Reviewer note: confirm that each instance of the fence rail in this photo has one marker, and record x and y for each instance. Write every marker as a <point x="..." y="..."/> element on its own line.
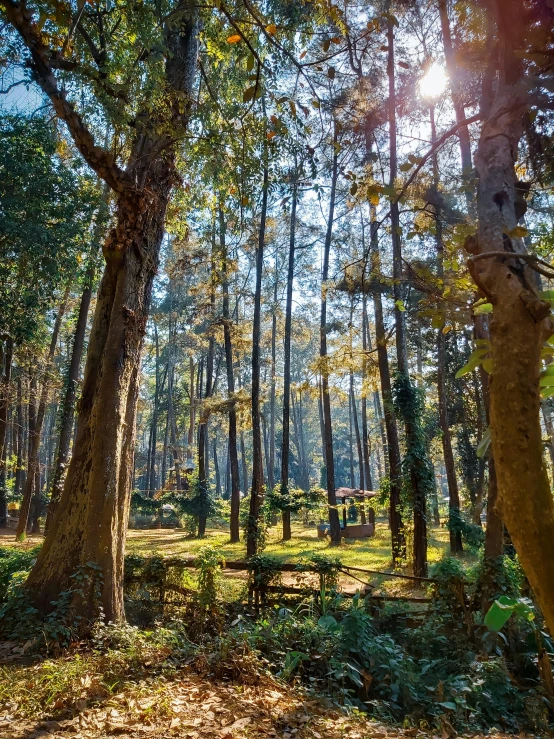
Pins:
<point x="261" y="584"/>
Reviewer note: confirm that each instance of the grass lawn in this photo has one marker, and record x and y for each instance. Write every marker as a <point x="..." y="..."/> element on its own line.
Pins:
<point x="373" y="553"/>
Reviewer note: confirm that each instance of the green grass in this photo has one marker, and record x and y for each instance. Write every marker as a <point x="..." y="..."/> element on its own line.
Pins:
<point x="373" y="553"/>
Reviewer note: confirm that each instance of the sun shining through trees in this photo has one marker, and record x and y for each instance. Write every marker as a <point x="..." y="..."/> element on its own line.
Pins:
<point x="433" y="83"/>
<point x="276" y="370"/>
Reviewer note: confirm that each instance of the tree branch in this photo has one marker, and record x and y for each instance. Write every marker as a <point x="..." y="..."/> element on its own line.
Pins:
<point x="100" y="160"/>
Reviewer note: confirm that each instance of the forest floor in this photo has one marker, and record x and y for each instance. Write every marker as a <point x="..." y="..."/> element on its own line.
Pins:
<point x="140" y="692"/>
<point x="188" y="706"/>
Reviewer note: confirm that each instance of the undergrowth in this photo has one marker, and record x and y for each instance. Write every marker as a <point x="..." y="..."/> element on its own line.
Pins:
<point x="427" y="669"/>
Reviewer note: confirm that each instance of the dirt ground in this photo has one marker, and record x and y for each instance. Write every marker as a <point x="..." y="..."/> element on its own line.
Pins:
<point x="195" y="708"/>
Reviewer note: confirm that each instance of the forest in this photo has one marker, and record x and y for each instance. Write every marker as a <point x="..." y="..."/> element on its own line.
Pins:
<point x="276" y="368"/>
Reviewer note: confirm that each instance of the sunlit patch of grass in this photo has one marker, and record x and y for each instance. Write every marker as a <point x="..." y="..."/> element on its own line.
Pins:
<point x="372" y="553"/>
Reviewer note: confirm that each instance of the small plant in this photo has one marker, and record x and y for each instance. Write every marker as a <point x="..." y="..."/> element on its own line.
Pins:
<point x="208" y="567"/>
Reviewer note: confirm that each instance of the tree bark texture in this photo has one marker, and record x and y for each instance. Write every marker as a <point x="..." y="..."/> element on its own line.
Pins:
<point x="520" y="324"/>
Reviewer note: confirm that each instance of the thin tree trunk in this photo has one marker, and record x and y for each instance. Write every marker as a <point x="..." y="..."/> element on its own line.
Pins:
<point x="398" y="540"/>
<point x="305" y="469"/>
<point x="192" y="413"/>
<point x="151" y="476"/>
<point x="203" y="443"/>
<point x="166" y="441"/>
<point x="335" y="530"/>
<point x="365" y="435"/>
<point x="359" y="446"/>
<point x="257" y="462"/>
<point x="419" y="502"/>
<point x="218" y="490"/>
<point x="272" y="382"/>
<point x="351" y="439"/>
<point x="456" y="545"/>
<point x="33" y="460"/>
<point x="243" y="462"/>
<point x="285" y="446"/>
<point x="6" y="358"/>
<point x="20" y="421"/>
<point x="68" y="409"/>
<point x="232" y="440"/>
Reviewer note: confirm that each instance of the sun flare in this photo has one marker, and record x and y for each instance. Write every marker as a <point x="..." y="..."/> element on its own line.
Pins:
<point x="433" y="84"/>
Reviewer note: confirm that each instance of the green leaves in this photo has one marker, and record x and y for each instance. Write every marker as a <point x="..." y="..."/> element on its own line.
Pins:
<point x="484" y="444"/>
<point x="328" y="623"/>
<point x="501" y="610"/>
<point x="480" y="356"/>
<point x="482" y="307"/>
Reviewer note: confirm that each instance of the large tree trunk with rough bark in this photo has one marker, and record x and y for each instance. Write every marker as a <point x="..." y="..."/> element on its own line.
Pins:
<point x="89" y="528"/>
<point x="520" y="324"/>
<point x="91" y="521"/>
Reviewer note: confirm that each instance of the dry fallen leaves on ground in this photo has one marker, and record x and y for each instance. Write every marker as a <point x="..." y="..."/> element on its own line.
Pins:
<point x="191" y="707"/>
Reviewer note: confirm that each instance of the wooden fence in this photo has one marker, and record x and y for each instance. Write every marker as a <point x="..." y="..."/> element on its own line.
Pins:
<point x="263" y="572"/>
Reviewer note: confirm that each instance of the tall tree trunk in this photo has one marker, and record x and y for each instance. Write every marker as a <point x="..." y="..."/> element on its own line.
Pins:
<point x="398" y="539"/>
<point x="244" y="464"/>
<point x="20" y="422"/>
<point x="257" y="462"/>
<point x="192" y="413"/>
<point x="323" y="476"/>
<point x="151" y="472"/>
<point x="166" y="441"/>
<point x="418" y="491"/>
<point x="359" y="446"/>
<point x="68" y="409"/>
<point x="285" y="446"/>
<point x="454" y="497"/>
<point x="335" y="530"/>
<point x="33" y="459"/>
<point x="518" y="328"/>
<point x="90" y="524"/>
<point x="6" y="357"/>
<point x="272" y="382"/>
<point x="232" y="441"/>
<point x="305" y="463"/>
<point x="203" y="443"/>
<point x="218" y="490"/>
<point x="96" y="493"/>
<point x="453" y="494"/>
<point x="365" y="434"/>
<point x="175" y="447"/>
<point x="351" y="441"/>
